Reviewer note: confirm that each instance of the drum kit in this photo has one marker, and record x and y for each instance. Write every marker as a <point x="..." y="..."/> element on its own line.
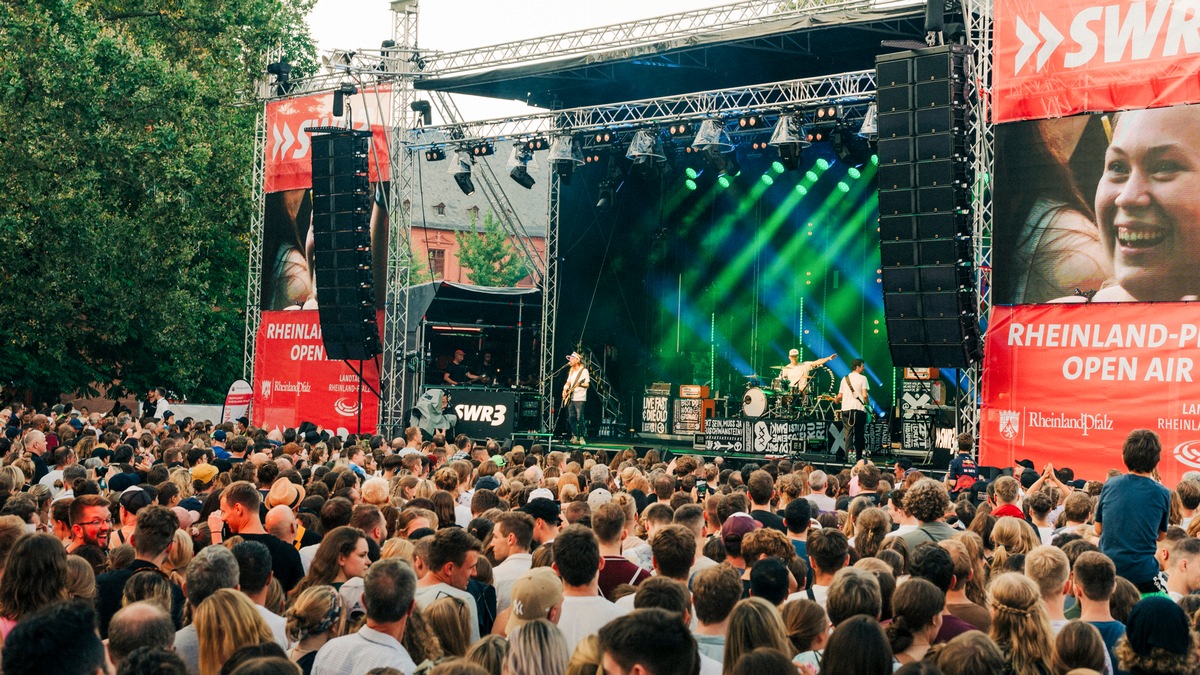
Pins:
<point x="784" y="401"/>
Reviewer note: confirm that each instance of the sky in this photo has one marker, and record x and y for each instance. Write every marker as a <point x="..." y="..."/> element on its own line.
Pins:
<point x="350" y="24"/>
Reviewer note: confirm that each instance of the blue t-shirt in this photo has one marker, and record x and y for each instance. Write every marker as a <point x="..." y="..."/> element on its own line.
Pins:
<point x="1110" y="632"/>
<point x="1133" y="510"/>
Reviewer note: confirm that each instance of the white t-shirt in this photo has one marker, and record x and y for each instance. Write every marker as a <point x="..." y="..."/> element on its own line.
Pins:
<point x="277" y="624"/>
<point x="506" y="574"/>
<point x="797" y="375"/>
<point x="819" y="593"/>
<point x="579" y="379"/>
<point x="853" y="390"/>
<point x="582" y="617"/>
<point x="822" y="501"/>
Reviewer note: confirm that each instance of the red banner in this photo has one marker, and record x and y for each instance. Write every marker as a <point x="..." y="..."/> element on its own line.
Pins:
<point x="1060" y="57"/>
<point x="295" y="383"/>
<point x="1067" y="383"/>
<point x="289" y="165"/>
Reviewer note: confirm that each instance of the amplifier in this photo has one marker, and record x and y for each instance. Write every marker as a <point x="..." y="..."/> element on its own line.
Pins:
<point x="693" y="391"/>
<point x="659" y="389"/>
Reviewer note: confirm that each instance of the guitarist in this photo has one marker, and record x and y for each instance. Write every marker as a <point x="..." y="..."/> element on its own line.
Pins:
<point x="853" y="393"/>
<point x="575" y="395"/>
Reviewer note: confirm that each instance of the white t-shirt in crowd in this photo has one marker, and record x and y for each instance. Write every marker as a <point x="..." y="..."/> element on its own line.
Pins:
<point x="582" y="617"/>
<point x="506" y="574"/>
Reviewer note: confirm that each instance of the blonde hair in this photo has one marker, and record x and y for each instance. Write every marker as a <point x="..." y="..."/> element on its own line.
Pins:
<point x="1049" y="568"/>
<point x="225" y="622"/>
<point x="316" y="610"/>
<point x="1020" y="625"/>
<point x="450" y="618"/>
<point x="375" y="491"/>
<point x="81" y="579"/>
<point x="586" y="659"/>
<point x="397" y="548"/>
<point x="424" y="489"/>
<point x="976" y="588"/>
<point x="871" y="527"/>
<point x="753" y="623"/>
<point x="535" y="648"/>
<point x="856" y="507"/>
<point x="14" y="474"/>
<point x="182" y="480"/>
<point x="1012" y="536"/>
<point x="181" y="554"/>
<point x="489" y="653"/>
<point x="804" y="621"/>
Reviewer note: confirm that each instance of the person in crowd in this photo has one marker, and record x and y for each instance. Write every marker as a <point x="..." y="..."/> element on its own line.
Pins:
<point x="578" y="562"/>
<point x="510" y="544"/>
<point x="1093" y="580"/>
<point x="753" y="623"/>
<point x="611" y="527"/>
<point x="650" y="641"/>
<point x="389" y="592"/>
<point x="35" y="577"/>
<point x="927" y="501"/>
<point x="761" y="489"/>
<point x="537" y="594"/>
<point x="59" y="638"/>
<point x="972" y="653"/>
<point x="141" y="624"/>
<point x="213" y="568"/>
<point x="153" y="539"/>
<point x="341" y="556"/>
<point x="1133" y="511"/>
<point x="225" y="622"/>
<point x="452" y="560"/>
<point x="316" y="616"/>
<point x="1020" y="625"/>
<point x="450" y="619"/>
<point x="828" y="552"/>
<point x="916" y="619"/>
<point x="240" y="504"/>
<point x="1049" y="568"/>
<point x="254" y="580"/>
<point x="858" y="646"/>
<point x="807" y="627"/>
<point x="1183" y="574"/>
<point x="1078" y="645"/>
<point x="537" y="648"/>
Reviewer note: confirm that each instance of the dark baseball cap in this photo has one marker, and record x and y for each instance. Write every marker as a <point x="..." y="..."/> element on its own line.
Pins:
<point x="545" y="509"/>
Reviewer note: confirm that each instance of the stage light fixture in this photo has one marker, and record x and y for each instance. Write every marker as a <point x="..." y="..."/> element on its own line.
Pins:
<point x="604" y="136"/>
<point x="767" y="179"/>
<point x="712" y="136"/>
<point x="518" y="166"/>
<point x="679" y="129"/>
<point x="690" y="173"/>
<point x="607" y="196"/>
<point x="646" y="152"/>
<point x="870" y="125"/>
<point x="537" y="143"/>
<point x="460" y="168"/>
<point x="758" y="146"/>
<point x="827" y="113"/>
<point x="423" y="108"/>
<point x="483" y="149"/>
<point x="750" y="122"/>
<point x="690" y="184"/>
<point x="282" y="70"/>
<point x="790" y="139"/>
<point x="564" y="157"/>
<point x="435" y="154"/>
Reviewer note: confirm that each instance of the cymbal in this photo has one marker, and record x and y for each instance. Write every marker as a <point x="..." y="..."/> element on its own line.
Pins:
<point x="776" y="367"/>
<point x="750" y="377"/>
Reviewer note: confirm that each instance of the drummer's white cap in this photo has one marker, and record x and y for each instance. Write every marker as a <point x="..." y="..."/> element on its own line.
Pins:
<point x="794" y="352"/>
<point x="574" y="355"/>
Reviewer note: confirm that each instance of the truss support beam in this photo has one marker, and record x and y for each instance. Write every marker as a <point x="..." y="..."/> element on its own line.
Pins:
<point x="393" y="375"/>
<point x="550" y="306"/>
<point x="853" y="88"/>
<point x="254" y="273"/>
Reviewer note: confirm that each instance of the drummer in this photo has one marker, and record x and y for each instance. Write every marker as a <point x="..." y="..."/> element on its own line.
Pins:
<point x="797" y="372"/>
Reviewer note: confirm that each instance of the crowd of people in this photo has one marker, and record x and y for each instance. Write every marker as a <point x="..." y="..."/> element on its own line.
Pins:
<point x="140" y="546"/>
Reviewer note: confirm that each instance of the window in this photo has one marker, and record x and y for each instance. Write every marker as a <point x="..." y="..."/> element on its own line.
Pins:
<point x="437" y="262"/>
<point x="473" y="214"/>
<point x="440" y="209"/>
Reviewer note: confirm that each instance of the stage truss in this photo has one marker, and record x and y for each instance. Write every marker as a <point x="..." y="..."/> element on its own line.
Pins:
<point x="401" y="64"/>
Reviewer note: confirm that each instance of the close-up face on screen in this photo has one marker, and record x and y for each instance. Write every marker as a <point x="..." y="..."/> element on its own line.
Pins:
<point x="1101" y="208"/>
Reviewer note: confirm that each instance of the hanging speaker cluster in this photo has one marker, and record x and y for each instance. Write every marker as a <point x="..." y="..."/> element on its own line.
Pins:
<point x="925" y="223"/>
<point x="342" y="205"/>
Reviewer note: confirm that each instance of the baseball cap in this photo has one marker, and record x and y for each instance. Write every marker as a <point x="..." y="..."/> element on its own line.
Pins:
<point x="598" y="497"/>
<point x="487" y="483"/>
<point x="574" y="355"/>
<point x="739" y="524"/>
<point x="1027" y="463"/>
<point x="498" y="460"/>
<point x="135" y="498"/>
<point x="546" y="509"/>
<point x="219" y="435"/>
<point x="534" y="594"/>
<point x="205" y="473"/>
<point x="793" y="352"/>
<point x="122" y="481"/>
<point x="186" y="518"/>
<point x="542" y="493"/>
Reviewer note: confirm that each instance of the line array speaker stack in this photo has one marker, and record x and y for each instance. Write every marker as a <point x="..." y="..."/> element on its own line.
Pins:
<point x="924" y="181"/>
<point x="342" y="240"/>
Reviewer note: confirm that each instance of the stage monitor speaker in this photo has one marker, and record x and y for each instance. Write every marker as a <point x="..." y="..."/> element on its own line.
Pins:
<point x="342" y="261"/>
<point x="924" y="178"/>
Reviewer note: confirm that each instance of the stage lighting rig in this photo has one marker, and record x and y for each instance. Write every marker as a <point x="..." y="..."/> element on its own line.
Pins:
<point x="282" y="70"/>
<point x="564" y="157"/>
<point x="435" y="154"/>
<point x="460" y="168"/>
<point x="537" y="143"/>
<point x="483" y="149"/>
<point x="423" y="108"/>
<point x="790" y="139"/>
<point x="518" y="166"/>
<point x="646" y="152"/>
<point x="750" y="122"/>
<point x="712" y="136"/>
<point x="679" y="129"/>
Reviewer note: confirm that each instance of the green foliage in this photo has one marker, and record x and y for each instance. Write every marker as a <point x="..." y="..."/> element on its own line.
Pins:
<point x="489" y="256"/>
<point x="126" y="142"/>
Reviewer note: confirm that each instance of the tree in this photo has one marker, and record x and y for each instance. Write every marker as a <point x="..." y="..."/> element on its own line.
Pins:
<point x="126" y="141"/>
<point x="489" y="256"/>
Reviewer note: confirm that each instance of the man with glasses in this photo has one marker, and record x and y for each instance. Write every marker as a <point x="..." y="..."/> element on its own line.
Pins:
<point x="91" y="523"/>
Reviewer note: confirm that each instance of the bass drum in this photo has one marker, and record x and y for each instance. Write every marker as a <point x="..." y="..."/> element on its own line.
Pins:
<point x="754" y="402"/>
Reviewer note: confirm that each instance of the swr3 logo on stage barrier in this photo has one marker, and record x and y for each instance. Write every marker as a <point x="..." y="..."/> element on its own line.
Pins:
<point x="492" y="414"/>
<point x="1060" y="57"/>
